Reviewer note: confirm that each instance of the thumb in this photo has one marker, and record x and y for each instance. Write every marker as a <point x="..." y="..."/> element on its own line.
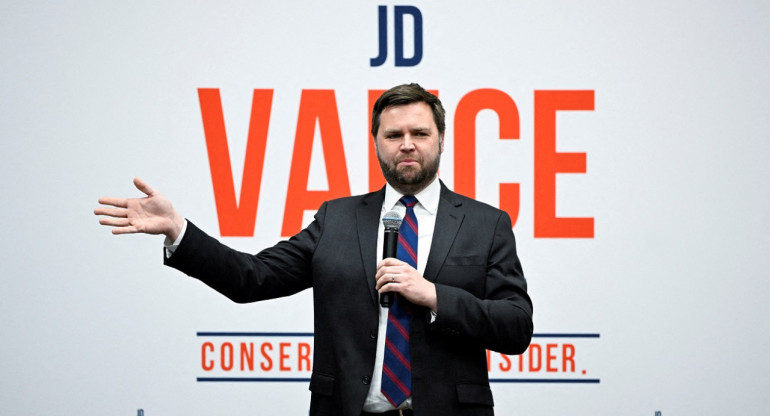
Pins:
<point x="144" y="187"/>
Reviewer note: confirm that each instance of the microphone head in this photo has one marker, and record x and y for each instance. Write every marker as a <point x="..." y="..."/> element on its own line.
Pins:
<point x="392" y="220"/>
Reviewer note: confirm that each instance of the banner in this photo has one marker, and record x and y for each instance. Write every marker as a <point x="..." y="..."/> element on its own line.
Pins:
<point x="628" y="143"/>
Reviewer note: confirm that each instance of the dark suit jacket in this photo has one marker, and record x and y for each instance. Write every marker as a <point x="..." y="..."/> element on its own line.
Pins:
<point x="482" y="299"/>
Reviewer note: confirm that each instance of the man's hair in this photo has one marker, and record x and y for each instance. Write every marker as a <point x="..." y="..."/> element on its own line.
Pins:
<point x="408" y="94"/>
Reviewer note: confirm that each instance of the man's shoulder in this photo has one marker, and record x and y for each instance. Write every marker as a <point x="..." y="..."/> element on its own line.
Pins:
<point x="468" y="203"/>
<point x="477" y="215"/>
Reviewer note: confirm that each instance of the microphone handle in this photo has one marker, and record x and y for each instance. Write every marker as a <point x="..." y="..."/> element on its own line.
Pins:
<point x="389" y="249"/>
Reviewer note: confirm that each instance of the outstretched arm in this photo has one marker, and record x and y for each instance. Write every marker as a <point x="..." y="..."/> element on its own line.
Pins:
<point x="152" y="214"/>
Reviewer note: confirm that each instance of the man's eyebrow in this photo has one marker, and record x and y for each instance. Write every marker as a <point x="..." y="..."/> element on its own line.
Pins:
<point x="397" y="130"/>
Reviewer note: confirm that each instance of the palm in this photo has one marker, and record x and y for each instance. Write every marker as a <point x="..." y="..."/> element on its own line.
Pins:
<point x="152" y="214"/>
<point x="149" y="215"/>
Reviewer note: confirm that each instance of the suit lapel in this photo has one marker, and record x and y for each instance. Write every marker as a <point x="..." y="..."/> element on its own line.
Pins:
<point x="367" y="222"/>
<point x="448" y="219"/>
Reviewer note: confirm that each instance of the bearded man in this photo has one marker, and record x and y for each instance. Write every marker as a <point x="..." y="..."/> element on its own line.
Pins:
<point x="457" y="282"/>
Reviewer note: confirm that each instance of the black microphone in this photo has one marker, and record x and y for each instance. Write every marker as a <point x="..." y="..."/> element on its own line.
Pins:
<point x="392" y="221"/>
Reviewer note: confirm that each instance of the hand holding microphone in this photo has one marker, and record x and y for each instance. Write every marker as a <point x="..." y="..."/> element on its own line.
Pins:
<point x="392" y="221"/>
<point x="409" y="282"/>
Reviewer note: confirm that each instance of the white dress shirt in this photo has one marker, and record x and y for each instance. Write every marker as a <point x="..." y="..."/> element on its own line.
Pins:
<point x="425" y="211"/>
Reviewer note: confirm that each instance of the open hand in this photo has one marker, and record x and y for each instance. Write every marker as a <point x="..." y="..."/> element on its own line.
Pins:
<point x="152" y="214"/>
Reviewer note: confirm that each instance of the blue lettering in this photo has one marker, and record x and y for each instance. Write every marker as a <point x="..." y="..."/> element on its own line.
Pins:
<point x="382" y="17"/>
<point x="382" y="36"/>
<point x="399" y="20"/>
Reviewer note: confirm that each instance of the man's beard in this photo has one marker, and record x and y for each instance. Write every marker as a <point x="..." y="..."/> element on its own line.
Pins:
<point x="410" y="180"/>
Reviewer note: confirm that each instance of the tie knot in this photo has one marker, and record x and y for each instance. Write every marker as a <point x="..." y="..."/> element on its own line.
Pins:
<point x="408" y="201"/>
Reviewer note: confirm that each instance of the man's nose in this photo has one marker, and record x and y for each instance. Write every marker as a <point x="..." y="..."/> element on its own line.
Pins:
<point x="407" y="144"/>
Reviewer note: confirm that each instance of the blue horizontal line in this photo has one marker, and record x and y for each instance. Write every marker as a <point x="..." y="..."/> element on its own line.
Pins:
<point x="307" y="380"/>
<point x="310" y="334"/>
<point x="255" y="334"/>
<point x="253" y="379"/>
<point x="565" y="335"/>
<point x="545" y="380"/>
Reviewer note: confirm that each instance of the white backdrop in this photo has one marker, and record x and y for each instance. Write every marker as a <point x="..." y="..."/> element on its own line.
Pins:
<point x="674" y="281"/>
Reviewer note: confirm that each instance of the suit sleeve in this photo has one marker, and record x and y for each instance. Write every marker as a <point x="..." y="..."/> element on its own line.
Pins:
<point x="499" y="316"/>
<point x="277" y="271"/>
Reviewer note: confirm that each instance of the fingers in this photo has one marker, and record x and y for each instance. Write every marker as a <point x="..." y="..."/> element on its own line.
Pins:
<point x="391" y="266"/>
<point x="385" y="280"/>
<point x="116" y="211"/>
<point x="409" y="283"/>
<point x="112" y="212"/>
<point x="115" y="202"/>
<point x="123" y="202"/>
<point x="114" y="222"/>
<point x="120" y="225"/>
<point x="125" y="230"/>
<point x="401" y="275"/>
<point x="390" y="261"/>
<point x="144" y="187"/>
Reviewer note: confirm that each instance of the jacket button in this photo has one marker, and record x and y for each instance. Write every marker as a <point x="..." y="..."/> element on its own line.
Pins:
<point x="372" y="334"/>
<point x="366" y="379"/>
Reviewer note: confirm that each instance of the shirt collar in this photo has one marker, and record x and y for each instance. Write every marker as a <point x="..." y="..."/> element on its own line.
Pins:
<point x="428" y="198"/>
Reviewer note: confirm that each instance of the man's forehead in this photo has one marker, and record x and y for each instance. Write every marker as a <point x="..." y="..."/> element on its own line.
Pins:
<point x="422" y="105"/>
<point x="411" y="113"/>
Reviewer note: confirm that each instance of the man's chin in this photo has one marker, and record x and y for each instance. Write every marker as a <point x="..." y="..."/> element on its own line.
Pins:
<point x="419" y="180"/>
<point x="411" y="177"/>
<point x="407" y="179"/>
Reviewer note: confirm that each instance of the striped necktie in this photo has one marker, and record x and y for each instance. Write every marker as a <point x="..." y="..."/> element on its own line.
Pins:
<point x="396" y="367"/>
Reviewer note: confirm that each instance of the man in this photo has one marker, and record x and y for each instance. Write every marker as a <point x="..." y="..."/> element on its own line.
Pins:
<point x="457" y="281"/>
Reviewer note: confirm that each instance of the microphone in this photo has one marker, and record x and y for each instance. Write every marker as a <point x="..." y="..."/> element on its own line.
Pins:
<point x="392" y="221"/>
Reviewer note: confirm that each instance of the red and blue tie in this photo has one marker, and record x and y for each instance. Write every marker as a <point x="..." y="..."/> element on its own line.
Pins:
<point x="396" y="367"/>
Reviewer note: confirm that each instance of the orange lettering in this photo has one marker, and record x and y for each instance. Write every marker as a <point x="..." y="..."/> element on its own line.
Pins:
<point x="534" y="353"/>
<point x="283" y="356"/>
<point x="376" y="180"/>
<point x="267" y="365"/>
<point x="207" y="365"/>
<point x="236" y="218"/>
<point x="568" y="358"/>
<point x="549" y="162"/>
<point x="247" y="356"/>
<point x="506" y="365"/>
<point x="321" y="106"/>
<point x="550" y="357"/>
<point x="465" y="142"/>
<point x="303" y="356"/>
<point x="226" y="356"/>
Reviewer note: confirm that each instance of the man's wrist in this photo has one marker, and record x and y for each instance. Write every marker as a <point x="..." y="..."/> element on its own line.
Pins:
<point x="177" y="225"/>
<point x="171" y="246"/>
<point x="433" y="302"/>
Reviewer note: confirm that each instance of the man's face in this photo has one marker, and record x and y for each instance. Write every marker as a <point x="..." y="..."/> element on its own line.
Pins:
<point x="409" y="147"/>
